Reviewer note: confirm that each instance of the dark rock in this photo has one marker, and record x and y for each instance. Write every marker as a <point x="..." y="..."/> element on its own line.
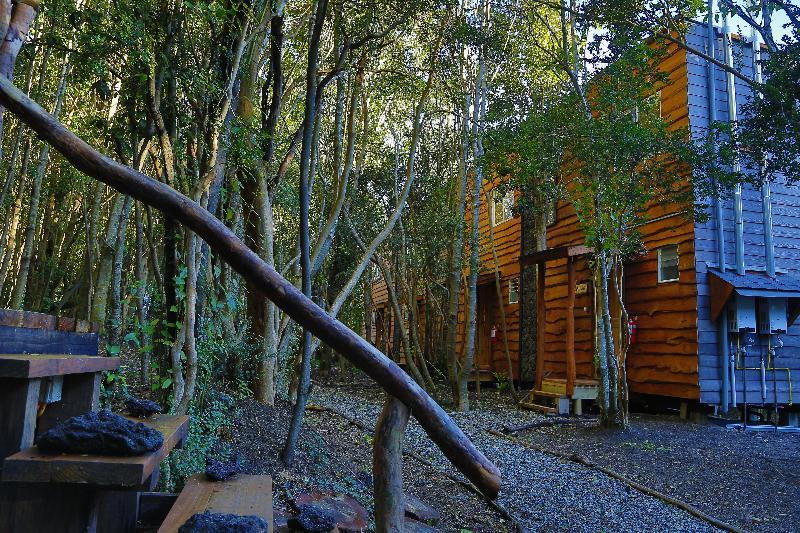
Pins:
<point x="101" y="433"/>
<point x="141" y="407"/>
<point x="313" y="519"/>
<point x="347" y="512"/>
<point x="220" y="470"/>
<point x="419" y="510"/>
<point x="224" y="523"/>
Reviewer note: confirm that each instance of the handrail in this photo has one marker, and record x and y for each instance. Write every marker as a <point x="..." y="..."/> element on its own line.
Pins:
<point x="436" y="423"/>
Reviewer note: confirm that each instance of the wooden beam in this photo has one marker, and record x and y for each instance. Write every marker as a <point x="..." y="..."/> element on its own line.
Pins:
<point x="570" y="340"/>
<point x="19" y="399"/>
<point x="40" y="366"/>
<point x="551" y="254"/>
<point x="437" y="424"/>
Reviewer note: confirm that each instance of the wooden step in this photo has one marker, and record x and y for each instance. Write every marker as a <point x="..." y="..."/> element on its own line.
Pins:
<point x="40" y="366"/>
<point x="242" y="495"/>
<point x="537" y="407"/>
<point x="32" y="466"/>
<point x="547" y="394"/>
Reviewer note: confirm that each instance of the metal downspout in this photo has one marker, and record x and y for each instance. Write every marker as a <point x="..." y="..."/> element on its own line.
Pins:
<point x="766" y="197"/>
<point x="724" y="350"/>
<point x="732" y="118"/>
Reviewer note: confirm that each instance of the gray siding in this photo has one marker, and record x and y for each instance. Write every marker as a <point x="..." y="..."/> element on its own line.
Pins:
<point x="786" y="232"/>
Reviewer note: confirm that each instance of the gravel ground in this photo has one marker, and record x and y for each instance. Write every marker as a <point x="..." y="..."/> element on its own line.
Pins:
<point x="749" y="479"/>
<point x="541" y="492"/>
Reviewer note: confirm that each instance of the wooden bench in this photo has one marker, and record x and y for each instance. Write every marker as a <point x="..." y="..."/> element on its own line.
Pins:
<point x="241" y="495"/>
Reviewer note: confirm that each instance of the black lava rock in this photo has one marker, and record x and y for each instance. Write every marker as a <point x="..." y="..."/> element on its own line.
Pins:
<point x="313" y="519"/>
<point x="141" y="408"/>
<point x="220" y="470"/>
<point x="224" y="523"/>
<point x="101" y="433"/>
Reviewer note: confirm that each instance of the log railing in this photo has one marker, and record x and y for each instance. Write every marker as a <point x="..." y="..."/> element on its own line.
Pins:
<point x="439" y="427"/>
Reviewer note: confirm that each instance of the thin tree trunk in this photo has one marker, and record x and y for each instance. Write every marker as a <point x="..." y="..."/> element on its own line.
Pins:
<point x="317" y="22"/>
<point x="21" y="282"/>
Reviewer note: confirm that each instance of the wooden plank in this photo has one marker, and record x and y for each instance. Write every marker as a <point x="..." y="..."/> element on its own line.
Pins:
<point x="551" y="254"/>
<point x="16" y="340"/>
<point x="46" y="365"/>
<point x="571" y="327"/>
<point x="32" y="466"/>
<point x="19" y="400"/>
<point x="242" y="495"/>
<point x="541" y="272"/>
<point x="27" y="319"/>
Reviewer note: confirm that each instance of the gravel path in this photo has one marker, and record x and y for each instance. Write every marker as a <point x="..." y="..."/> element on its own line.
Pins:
<point x="541" y="492"/>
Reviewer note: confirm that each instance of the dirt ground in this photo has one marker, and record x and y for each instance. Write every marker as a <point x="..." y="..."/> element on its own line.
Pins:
<point x="749" y="480"/>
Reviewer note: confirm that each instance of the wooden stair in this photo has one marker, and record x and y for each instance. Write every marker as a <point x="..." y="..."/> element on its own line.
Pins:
<point x="242" y="495"/>
<point x="552" y="398"/>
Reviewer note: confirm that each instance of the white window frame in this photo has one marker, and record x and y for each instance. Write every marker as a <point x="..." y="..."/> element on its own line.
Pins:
<point x="659" y="270"/>
<point x="507" y="204"/>
<point x="511" y="283"/>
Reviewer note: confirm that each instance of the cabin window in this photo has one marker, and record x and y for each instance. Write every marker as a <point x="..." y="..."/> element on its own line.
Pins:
<point x="513" y="291"/>
<point x="668" y="263"/>
<point x="501" y="207"/>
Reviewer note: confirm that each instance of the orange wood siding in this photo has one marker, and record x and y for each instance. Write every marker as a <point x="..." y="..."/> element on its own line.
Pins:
<point x="664" y="360"/>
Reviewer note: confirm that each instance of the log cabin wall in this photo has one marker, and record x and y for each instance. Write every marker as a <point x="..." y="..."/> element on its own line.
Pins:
<point x="490" y="356"/>
<point x="786" y="230"/>
<point x="663" y="360"/>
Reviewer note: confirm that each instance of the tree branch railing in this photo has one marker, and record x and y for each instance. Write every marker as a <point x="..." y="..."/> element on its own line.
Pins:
<point x="437" y="424"/>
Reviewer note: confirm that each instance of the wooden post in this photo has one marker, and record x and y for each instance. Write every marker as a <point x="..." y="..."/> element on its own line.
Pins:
<point x="19" y="399"/>
<point x="570" y="326"/>
<point x="540" y="323"/>
<point x="387" y="467"/>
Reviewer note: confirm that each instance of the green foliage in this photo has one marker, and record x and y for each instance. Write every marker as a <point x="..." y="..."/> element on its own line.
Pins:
<point x="209" y="411"/>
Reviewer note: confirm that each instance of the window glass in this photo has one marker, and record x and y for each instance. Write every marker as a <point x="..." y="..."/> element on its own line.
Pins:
<point x="668" y="263"/>
<point x="502" y="207"/>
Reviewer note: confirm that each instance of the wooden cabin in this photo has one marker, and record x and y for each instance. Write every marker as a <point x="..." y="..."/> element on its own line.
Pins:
<point x="707" y="330"/>
<point x="715" y="332"/>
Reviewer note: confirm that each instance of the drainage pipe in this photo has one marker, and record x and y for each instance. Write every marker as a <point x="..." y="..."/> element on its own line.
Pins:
<point x="724" y="349"/>
<point x="732" y="118"/>
<point x="766" y="196"/>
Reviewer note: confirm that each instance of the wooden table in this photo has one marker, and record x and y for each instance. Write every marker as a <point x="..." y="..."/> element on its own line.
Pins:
<point x="22" y="380"/>
<point x="81" y="492"/>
